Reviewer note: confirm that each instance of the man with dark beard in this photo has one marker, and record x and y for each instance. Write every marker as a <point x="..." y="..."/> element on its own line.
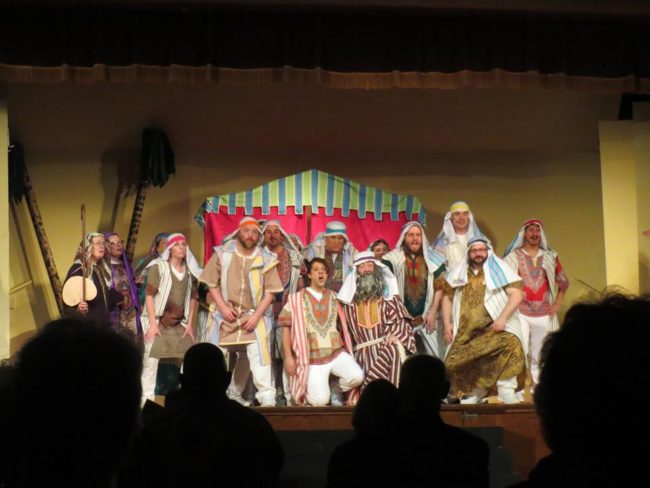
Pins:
<point x="379" y="323"/>
<point x="243" y="285"/>
<point x="479" y="309"/>
<point x="418" y="269"/>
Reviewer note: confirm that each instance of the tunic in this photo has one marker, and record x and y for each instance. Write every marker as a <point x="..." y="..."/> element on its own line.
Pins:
<point x="335" y="276"/>
<point x="240" y="295"/>
<point x="537" y="300"/>
<point x="321" y="323"/>
<point x="175" y="307"/>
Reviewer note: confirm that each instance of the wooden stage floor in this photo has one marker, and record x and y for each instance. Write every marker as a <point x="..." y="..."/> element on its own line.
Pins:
<point x="521" y="434"/>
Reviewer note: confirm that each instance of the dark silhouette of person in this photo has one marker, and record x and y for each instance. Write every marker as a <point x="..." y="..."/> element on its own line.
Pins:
<point x="595" y="361"/>
<point x="7" y="433"/>
<point x="432" y="453"/>
<point x="375" y="421"/>
<point x="76" y="402"/>
<point x="202" y="438"/>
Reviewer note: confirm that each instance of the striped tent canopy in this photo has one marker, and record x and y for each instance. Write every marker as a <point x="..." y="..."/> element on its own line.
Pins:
<point x="318" y="190"/>
<point x="328" y="197"/>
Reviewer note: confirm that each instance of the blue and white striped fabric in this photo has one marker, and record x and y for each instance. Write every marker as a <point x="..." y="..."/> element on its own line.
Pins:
<point x="320" y="191"/>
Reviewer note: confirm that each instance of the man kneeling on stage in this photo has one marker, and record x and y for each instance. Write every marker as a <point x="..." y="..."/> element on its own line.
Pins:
<point x="379" y="323"/>
<point x="315" y="347"/>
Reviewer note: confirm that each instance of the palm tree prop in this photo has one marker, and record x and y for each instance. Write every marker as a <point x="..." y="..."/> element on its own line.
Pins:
<point x="156" y="166"/>
<point x="20" y="186"/>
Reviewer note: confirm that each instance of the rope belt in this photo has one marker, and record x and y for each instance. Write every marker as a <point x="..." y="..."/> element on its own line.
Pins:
<point x="400" y="347"/>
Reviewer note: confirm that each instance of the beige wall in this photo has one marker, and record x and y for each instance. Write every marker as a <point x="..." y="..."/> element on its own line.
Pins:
<point x="511" y="155"/>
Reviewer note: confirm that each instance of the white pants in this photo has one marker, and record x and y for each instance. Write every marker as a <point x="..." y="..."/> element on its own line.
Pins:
<point x="279" y="365"/>
<point x="149" y="373"/>
<point x="508" y="385"/>
<point x="534" y="331"/>
<point x="344" y="366"/>
<point x="249" y="361"/>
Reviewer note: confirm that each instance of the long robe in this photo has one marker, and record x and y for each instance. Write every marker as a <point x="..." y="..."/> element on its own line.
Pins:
<point x="372" y="320"/>
<point x="101" y="307"/>
<point x="478" y="355"/>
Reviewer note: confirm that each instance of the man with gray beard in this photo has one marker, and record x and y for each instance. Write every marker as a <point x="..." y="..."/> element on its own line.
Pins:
<point x="379" y="324"/>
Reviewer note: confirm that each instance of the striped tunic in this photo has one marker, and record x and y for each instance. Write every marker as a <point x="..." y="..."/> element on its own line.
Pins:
<point x="372" y="321"/>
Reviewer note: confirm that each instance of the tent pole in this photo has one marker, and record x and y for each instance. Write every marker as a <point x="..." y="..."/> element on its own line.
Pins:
<point x="308" y="226"/>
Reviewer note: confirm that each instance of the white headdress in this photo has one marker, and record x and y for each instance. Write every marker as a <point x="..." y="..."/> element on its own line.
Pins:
<point x="497" y="273"/>
<point x="448" y="235"/>
<point x="349" y="288"/>
<point x="518" y="241"/>
<point x="287" y="242"/>
<point x="192" y="264"/>
<point x="433" y="258"/>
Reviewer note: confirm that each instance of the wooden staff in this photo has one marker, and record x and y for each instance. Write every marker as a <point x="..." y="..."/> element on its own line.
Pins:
<point x="83" y="252"/>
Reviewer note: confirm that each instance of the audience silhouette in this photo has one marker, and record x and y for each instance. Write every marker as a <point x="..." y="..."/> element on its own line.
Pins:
<point x="593" y="364"/>
<point x="204" y="439"/>
<point x="375" y="421"/>
<point x="7" y="432"/>
<point x="76" y="399"/>
<point x="436" y="454"/>
<point x="69" y="410"/>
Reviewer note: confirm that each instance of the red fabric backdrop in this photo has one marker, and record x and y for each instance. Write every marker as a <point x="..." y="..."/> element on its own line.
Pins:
<point x="360" y="231"/>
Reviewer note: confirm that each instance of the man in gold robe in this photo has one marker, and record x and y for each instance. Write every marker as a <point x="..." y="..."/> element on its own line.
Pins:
<point x="482" y="329"/>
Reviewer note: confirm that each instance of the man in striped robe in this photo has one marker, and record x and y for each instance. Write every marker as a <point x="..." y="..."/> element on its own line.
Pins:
<point x="479" y="309"/>
<point x="379" y="324"/>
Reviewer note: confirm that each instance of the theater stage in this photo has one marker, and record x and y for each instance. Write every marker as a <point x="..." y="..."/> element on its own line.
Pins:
<point x="309" y="434"/>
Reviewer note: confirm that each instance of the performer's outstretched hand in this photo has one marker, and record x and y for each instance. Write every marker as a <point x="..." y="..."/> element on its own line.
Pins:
<point x="152" y="332"/>
<point x="290" y="366"/>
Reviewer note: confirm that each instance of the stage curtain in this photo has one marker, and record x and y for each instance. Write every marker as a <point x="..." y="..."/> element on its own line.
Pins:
<point x="357" y="49"/>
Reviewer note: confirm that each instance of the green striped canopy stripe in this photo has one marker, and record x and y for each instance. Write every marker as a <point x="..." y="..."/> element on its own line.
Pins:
<point x="322" y="192"/>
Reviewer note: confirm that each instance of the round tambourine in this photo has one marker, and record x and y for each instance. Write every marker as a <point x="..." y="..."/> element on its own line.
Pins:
<point x="73" y="291"/>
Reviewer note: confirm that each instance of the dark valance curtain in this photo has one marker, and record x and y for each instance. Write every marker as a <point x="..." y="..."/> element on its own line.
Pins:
<point x="382" y="49"/>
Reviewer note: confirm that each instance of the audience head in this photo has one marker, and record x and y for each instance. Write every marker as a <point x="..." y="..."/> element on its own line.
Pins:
<point x="423" y="383"/>
<point x="593" y="363"/>
<point x="204" y="371"/>
<point x="77" y="398"/>
<point x="377" y="409"/>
